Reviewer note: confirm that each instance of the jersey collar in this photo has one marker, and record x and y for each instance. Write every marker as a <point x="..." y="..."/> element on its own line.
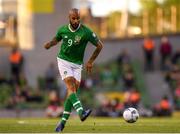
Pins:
<point x="72" y="29"/>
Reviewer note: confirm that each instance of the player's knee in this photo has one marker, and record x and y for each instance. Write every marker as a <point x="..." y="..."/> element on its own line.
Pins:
<point x="70" y="84"/>
<point x="70" y="91"/>
<point x="71" y="88"/>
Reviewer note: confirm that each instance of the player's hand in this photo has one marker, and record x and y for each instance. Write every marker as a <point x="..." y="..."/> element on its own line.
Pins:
<point x="47" y="46"/>
<point x="89" y="66"/>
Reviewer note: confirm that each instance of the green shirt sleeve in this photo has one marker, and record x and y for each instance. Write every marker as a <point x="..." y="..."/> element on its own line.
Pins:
<point x="58" y="34"/>
<point x="92" y="37"/>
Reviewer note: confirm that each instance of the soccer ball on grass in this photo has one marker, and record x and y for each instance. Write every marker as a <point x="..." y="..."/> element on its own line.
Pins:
<point x="130" y="115"/>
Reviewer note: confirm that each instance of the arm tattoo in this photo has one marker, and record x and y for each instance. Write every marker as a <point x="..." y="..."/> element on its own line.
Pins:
<point x="53" y="42"/>
<point x="96" y="53"/>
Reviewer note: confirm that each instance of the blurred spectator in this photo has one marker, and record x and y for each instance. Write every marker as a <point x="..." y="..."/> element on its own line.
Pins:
<point x="88" y="83"/>
<point x="135" y="98"/>
<point x="10" y="103"/>
<point x="163" y="108"/>
<point x="62" y="89"/>
<point x="175" y="73"/>
<point x="127" y="99"/>
<point x="128" y="80"/>
<point x="132" y="98"/>
<point x="116" y="108"/>
<point x="123" y="58"/>
<point x="18" y="98"/>
<point x="173" y="76"/>
<point x="3" y="80"/>
<point x="23" y="80"/>
<point x="54" y="109"/>
<point x="96" y="76"/>
<point x="177" y="96"/>
<point x="93" y="80"/>
<point x="107" y="77"/>
<point x="103" y="109"/>
<point x="176" y="57"/>
<point x="32" y="96"/>
<point x="165" y="51"/>
<point x="110" y="108"/>
<point x="16" y="63"/>
<point x="51" y="77"/>
<point x="177" y="91"/>
<point x="168" y="65"/>
<point x="148" y="48"/>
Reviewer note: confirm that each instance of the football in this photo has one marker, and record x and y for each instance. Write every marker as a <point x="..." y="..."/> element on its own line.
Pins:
<point x="130" y="115"/>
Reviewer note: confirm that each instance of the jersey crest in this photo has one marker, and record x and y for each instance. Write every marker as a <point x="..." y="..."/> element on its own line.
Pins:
<point x="77" y="39"/>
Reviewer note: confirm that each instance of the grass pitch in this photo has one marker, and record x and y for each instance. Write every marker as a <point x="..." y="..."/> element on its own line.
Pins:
<point x="91" y="125"/>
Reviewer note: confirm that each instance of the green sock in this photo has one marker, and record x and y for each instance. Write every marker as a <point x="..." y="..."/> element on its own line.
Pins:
<point x="67" y="111"/>
<point x="78" y="92"/>
<point x="76" y="103"/>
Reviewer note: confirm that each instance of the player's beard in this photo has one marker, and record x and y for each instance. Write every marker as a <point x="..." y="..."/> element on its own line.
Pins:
<point x="74" y="26"/>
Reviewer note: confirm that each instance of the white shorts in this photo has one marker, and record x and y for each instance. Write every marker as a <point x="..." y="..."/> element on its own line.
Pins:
<point x="69" y="69"/>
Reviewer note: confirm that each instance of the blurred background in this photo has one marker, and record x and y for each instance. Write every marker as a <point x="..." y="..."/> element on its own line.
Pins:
<point x="138" y="67"/>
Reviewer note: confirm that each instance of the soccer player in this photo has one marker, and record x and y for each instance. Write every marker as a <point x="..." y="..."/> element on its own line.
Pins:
<point x="75" y="37"/>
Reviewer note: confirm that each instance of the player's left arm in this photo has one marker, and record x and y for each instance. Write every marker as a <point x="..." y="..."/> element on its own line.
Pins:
<point x="96" y="52"/>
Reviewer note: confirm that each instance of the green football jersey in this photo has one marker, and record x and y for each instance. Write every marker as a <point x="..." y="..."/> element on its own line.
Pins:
<point x="74" y="42"/>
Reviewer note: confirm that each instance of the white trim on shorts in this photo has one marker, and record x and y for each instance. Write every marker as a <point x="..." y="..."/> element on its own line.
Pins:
<point x="69" y="69"/>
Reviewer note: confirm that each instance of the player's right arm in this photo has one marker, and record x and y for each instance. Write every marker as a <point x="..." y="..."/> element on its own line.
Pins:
<point x="53" y="42"/>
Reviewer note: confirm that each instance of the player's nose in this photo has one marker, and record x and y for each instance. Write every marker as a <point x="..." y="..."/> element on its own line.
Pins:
<point x="76" y="20"/>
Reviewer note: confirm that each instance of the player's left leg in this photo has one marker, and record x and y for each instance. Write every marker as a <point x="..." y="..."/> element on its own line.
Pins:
<point x="65" y="116"/>
<point x="77" y="76"/>
<point x="65" y="71"/>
